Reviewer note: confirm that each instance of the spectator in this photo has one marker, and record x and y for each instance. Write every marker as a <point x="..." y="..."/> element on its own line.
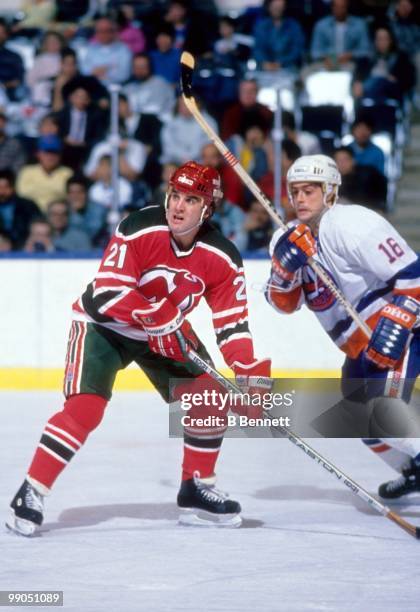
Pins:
<point x="246" y="112"/>
<point x="290" y="152"/>
<point x="259" y="228"/>
<point x="231" y="220"/>
<point x="80" y="127"/>
<point x="366" y="153"/>
<point x="308" y="143"/>
<point x="68" y="70"/>
<point x="389" y="74"/>
<point x="340" y="39"/>
<point x="148" y="93"/>
<point x="252" y="151"/>
<point x="406" y="30"/>
<point x="132" y="158"/>
<point x="65" y="237"/>
<point x="5" y="242"/>
<point x="45" y="68"/>
<point x="232" y="186"/>
<point x="363" y="185"/>
<point x="40" y="237"/>
<point x="182" y="137"/>
<point x="228" y="215"/>
<point x="187" y="18"/>
<point x="279" y="41"/>
<point x="47" y="126"/>
<point x="11" y="67"/>
<point x="102" y="191"/>
<point x="128" y="120"/>
<point x="166" y="58"/>
<point x="12" y="154"/>
<point x="16" y="213"/>
<point x="107" y="58"/>
<point x="85" y="214"/>
<point x="159" y="194"/>
<point x="129" y="30"/>
<point x="69" y="78"/>
<point x="232" y="44"/>
<point x="404" y="27"/>
<point x="46" y="180"/>
<point x="176" y="16"/>
<point x="38" y="16"/>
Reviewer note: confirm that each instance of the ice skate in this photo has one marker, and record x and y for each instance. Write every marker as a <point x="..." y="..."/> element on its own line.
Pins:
<point x="408" y="482"/>
<point x="202" y="505"/>
<point x="26" y="510"/>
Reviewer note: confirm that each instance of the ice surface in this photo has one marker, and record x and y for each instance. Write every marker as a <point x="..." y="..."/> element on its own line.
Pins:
<point x="111" y="540"/>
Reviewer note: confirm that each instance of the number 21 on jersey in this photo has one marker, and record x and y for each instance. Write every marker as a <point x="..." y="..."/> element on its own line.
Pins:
<point x="116" y="256"/>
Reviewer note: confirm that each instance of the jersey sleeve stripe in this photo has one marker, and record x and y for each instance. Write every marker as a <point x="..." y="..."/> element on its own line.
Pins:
<point x="230" y="311"/>
<point x="106" y="288"/>
<point x="120" y="277"/>
<point x="219" y="330"/>
<point x="117" y="298"/>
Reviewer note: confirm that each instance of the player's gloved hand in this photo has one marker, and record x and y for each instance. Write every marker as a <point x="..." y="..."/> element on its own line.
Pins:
<point x="160" y="322"/>
<point x="253" y="379"/>
<point x="392" y="332"/>
<point x="292" y="251"/>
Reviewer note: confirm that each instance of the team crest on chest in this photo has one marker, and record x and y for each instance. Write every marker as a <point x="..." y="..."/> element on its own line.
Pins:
<point x="182" y="287"/>
<point x="318" y="296"/>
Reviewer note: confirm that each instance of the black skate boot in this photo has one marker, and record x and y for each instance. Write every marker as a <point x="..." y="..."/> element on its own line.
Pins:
<point x="26" y="510"/>
<point x="204" y="505"/>
<point x="408" y="482"/>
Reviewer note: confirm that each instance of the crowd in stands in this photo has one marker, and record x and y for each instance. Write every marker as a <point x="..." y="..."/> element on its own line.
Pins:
<point x="58" y="59"/>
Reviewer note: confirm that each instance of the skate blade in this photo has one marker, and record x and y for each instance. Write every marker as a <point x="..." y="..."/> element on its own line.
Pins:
<point x="191" y="517"/>
<point x="20" y="526"/>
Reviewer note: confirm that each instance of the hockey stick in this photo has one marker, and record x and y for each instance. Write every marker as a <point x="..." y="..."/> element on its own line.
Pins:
<point x="195" y="358"/>
<point x="187" y="69"/>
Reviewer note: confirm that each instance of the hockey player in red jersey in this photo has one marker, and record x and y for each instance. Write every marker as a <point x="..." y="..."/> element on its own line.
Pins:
<point x="156" y="268"/>
<point x="380" y="276"/>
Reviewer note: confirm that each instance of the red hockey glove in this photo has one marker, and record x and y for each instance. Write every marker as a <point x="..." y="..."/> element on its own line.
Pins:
<point x="292" y="251"/>
<point x="253" y="379"/>
<point x="392" y="332"/>
<point x="160" y="322"/>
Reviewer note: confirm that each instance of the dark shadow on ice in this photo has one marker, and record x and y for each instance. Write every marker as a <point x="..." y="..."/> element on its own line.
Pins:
<point x="308" y="493"/>
<point x="86" y="516"/>
<point x="251" y="523"/>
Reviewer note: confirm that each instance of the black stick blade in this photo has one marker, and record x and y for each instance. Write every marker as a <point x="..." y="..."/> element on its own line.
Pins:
<point x="187" y="70"/>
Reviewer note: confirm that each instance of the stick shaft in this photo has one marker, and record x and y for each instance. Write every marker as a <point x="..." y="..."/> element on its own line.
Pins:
<point x="306" y="448"/>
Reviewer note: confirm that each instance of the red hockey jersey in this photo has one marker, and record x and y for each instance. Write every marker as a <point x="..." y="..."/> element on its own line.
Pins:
<point x="143" y="264"/>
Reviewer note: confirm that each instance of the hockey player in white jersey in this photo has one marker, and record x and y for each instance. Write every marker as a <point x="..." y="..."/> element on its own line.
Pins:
<point x="380" y="276"/>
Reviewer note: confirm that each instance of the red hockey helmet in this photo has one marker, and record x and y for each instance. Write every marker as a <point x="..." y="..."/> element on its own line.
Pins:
<point x="202" y="181"/>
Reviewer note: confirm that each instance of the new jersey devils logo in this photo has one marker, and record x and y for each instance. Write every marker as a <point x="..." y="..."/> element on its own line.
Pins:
<point x="184" y="288"/>
<point x="318" y="296"/>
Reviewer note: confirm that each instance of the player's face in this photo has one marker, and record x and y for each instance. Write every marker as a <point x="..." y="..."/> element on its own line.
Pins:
<point x="308" y="202"/>
<point x="184" y="214"/>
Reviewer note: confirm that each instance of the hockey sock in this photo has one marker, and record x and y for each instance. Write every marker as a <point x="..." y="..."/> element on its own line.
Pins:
<point x="63" y="436"/>
<point x="199" y="460"/>
<point x="396" y="458"/>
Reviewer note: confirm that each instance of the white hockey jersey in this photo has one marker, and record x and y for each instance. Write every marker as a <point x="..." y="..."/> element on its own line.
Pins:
<point x="367" y="259"/>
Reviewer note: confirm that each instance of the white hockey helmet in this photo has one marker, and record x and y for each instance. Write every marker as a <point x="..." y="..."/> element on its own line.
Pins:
<point x="316" y="169"/>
